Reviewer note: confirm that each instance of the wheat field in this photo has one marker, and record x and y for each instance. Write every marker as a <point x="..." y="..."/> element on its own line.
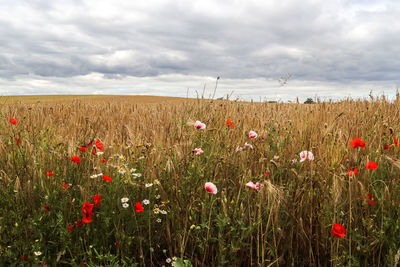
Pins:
<point x="145" y="146"/>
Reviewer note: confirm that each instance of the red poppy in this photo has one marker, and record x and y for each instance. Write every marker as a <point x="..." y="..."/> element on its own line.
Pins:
<point x="87" y="209"/>
<point x="371" y="165"/>
<point x="47" y="207"/>
<point x="107" y="178"/>
<point x="139" y="207"/>
<point x="370" y="200"/>
<point x="99" y="145"/>
<point x="76" y="159"/>
<point x="82" y="149"/>
<point x="395" y="141"/>
<point x="357" y="142"/>
<point x="266" y="173"/>
<point x="64" y="186"/>
<point x="19" y="141"/>
<point x="338" y="231"/>
<point x="97" y="200"/>
<point x="25" y="258"/>
<point x="229" y="123"/>
<point x="49" y="173"/>
<point x="93" y="152"/>
<point x="70" y="227"/>
<point x="104" y="160"/>
<point x="90" y="143"/>
<point x="353" y="171"/>
<point x="79" y="223"/>
<point x="13" y="121"/>
<point x="116" y="243"/>
<point x="386" y="146"/>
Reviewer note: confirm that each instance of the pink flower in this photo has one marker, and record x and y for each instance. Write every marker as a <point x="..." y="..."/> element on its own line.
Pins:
<point x="199" y="125"/>
<point x="198" y="151"/>
<point x="306" y="155"/>
<point x="253" y="134"/>
<point x="239" y="148"/>
<point x="246" y="145"/>
<point x="255" y="186"/>
<point x="211" y="188"/>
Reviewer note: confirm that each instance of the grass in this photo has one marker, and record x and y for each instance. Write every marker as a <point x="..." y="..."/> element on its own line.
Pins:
<point x="287" y="223"/>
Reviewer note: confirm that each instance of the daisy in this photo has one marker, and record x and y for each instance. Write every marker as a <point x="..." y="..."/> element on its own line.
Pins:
<point x="148" y="185"/>
<point x="158" y="220"/>
<point x="132" y="170"/>
<point x="93" y="176"/>
<point x="174" y="258"/>
<point x="156" y="181"/>
<point x="99" y="153"/>
<point x="121" y="171"/>
<point x="125" y="205"/>
<point x="38" y="253"/>
<point x="168" y="260"/>
<point x="124" y="199"/>
<point x="163" y="212"/>
<point x="156" y="210"/>
<point x="146" y="202"/>
<point x="137" y="175"/>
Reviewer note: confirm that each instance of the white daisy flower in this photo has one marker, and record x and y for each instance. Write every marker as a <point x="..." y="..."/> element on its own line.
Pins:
<point x="148" y="185"/>
<point x="132" y="170"/>
<point x="38" y="253"/>
<point x="99" y="153"/>
<point x="174" y="258"/>
<point x="168" y="260"/>
<point x="121" y="170"/>
<point x="146" y="202"/>
<point x="137" y="175"/>
<point x="163" y="212"/>
<point x="93" y="176"/>
<point x="124" y="199"/>
<point x="158" y="220"/>
<point x="125" y="205"/>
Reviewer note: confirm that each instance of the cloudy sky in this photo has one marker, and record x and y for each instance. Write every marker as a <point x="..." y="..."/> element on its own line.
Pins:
<point x="330" y="49"/>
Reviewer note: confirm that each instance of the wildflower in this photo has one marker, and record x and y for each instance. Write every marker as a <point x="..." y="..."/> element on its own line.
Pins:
<point x="116" y="243"/>
<point x="168" y="260"/>
<point x="47" y="207"/>
<point x="82" y="148"/>
<point x="353" y="171"/>
<point x="104" y="160"/>
<point x="211" y="188"/>
<point x="148" y="185"/>
<point x="266" y="173"/>
<point x="306" y="155"/>
<point x="158" y="196"/>
<point x="229" y="123"/>
<point x="19" y="141"/>
<point x="371" y="165"/>
<point x="70" y="228"/>
<point x="370" y="200"/>
<point x="146" y="202"/>
<point x="164" y="212"/>
<point x="125" y="205"/>
<point x="13" y="121"/>
<point x="99" y="145"/>
<point x="124" y="199"/>
<point x="198" y="151"/>
<point x="79" y="223"/>
<point x="132" y="170"/>
<point x="294" y="160"/>
<point x="87" y="212"/>
<point x="93" y="176"/>
<point x="255" y="186"/>
<point x="139" y="207"/>
<point x="357" y="142"/>
<point x="121" y="170"/>
<point x="253" y="134"/>
<point x="99" y="153"/>
<point x="174" y="258"/>
<point x="159" y="220"/>
<point x="137" y="175"/>
<point x="386" y="146"/>
<point x="49" y="173"/>
<point x="156" y="182"/>
<point x="246" y="145"/>
<point x="97" y="200"/>
<point x="239" y="148"/>
<point x="199" y="125"/>
<point x="64" y="186"/>
<point x="107" y="178"/>
<point x="122" y="157"/>
<point x="276" y="157"/>
<point x="338" y="231"/>
<point x="38" y="253"/>
<point x="76" y="159"/>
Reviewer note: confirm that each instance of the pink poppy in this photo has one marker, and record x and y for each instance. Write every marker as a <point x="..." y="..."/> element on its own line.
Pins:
<point x="239" y="148"/>
<point x="198" y="151"/>
<point x="253" y="134"/>
<point x="199" y="125"/>
<point x="255" y="186"/>
<point x="306" y="155"/>
<point x="246" y="145"/>
<point x="211" y="188"/>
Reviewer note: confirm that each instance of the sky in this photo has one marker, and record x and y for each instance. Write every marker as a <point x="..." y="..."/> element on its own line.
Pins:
<point x="261" y="50"/>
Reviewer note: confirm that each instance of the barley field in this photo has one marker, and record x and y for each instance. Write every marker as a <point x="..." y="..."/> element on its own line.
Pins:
<point x="153" y="181"/>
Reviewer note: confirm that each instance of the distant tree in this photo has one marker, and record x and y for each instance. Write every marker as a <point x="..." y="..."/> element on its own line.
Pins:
<point x="309" y="101"/>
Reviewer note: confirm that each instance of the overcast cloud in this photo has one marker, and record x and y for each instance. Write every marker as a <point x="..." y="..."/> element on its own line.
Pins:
<point x="332" y="49"/>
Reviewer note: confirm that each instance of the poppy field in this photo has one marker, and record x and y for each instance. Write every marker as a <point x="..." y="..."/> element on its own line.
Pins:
<point x="197" y="182"/>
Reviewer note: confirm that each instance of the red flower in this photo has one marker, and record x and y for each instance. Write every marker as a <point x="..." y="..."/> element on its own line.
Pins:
<point x="49" y="173"/>
<point x="90" y="143"/>
<point x="370" y="200"/>
<point x="47" y="207"/>
<point x="19" y="141"/>
<point x="107" y="178"/>
<point x="386" y="146"/>
<point x="13" y="121"/>
<point x="82" y="149"/>
<point x="357" y="142"/>
<point x="87" y="212"/>
<point x="229" y="123"/>
<point x="76" y="159"/>
<point x="70" y="227"/>
<point x="79" y="223"/>
<point x="266" y="173"/>
<point x="139" y="207"/>
<point x="64" y="186"/>
<point x="353" y="171"/>
<point x="104" y="160"/>
<point x="97" y="200"/>
<point x="338" y="231"/>
<point x="371" y="165"/>
<point x="116" y="243"/>
<point x="99" y="145"/>
<point x="395" y="141"/>
<point x="93" y="152"/>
